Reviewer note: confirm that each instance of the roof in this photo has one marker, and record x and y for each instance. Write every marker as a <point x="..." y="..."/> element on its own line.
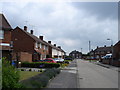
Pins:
<point x="75" y="52"/>
<point x="39" y="40"/>
<point x="4" y="23"/>
<point x="103" y="49"/>
<point x="35" y="38"/>
<point x="118" y="43"/>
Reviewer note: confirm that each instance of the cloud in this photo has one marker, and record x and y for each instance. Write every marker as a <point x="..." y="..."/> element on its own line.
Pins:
<point x="70" y="25"/>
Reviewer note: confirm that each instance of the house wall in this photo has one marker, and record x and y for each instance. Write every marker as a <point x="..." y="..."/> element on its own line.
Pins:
<point x="116" y="51"/>
<point x="42" y="50"/>
<point x="22" y="42"/>
<point x="25" y="56"/>
<point x="7" y="36"/>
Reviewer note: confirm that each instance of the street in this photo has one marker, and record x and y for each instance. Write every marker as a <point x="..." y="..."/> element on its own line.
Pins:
<point x="95" y="76"/>
<point x="84" y="74"/>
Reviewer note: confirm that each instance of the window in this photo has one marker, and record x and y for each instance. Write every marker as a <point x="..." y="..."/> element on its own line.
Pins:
<point x="1" y="34"/>
<point x="40" y="45"/>
<point x="36" y="46"/>
<point x="46" y="48"/>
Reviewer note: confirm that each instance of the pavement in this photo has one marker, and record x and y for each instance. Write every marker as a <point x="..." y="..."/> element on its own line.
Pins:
<point x="66" y="79"/>
<point x="95" y="76"/>
<point x="108" y="66"/>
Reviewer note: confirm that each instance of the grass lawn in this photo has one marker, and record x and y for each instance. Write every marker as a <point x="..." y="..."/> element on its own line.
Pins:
<point x="27" y="74"/>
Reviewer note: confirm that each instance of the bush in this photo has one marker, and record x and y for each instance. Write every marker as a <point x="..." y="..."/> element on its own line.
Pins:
<point x="10" y="75"/>
<point x="42" y="79"/>
<point x="40" y="65"/>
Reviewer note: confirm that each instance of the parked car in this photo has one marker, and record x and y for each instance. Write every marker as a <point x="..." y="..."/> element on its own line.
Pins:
<point x="107" y="56"/>
<point x="68" y="59"/>
<point x="59" y="60"/>
<point x="49" y="60"/>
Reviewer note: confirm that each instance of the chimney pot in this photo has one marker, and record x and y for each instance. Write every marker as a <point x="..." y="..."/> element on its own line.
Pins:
<point x="31" y="31"/>
<point x="104" y="45"/>
<point x="25" y="28"/>
<point x="97" y="47"/>
<point x="49" y="42"/>
<point x="55" y="45"/>
<point x="59" y="47"/>
<point x="41" y="37"/>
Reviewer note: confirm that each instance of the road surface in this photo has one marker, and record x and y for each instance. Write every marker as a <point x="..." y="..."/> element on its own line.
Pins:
<point x="95" y="76"/>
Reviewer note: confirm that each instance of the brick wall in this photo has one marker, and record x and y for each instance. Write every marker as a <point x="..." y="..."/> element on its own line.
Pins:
<point x="25" y="56"/>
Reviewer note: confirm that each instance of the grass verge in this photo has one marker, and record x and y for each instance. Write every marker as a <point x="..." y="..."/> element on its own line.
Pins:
<point x="27" y="74"/>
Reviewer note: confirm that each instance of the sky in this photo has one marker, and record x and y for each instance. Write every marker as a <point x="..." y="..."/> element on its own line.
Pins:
<point x="70" y="25"/>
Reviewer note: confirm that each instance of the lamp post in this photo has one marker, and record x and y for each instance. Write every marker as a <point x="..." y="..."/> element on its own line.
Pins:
<point x="112" y="48"/>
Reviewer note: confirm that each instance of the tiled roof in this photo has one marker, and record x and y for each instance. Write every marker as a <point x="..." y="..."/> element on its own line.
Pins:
<point x="39" y="40"/>
<point x="53" y="46"/>
<point x="118" y="43"/>
<point x="4" y="23"/>
<point x="32" y="36"/>
<point x="75" y="52"/>
<point x="103" y="49"/>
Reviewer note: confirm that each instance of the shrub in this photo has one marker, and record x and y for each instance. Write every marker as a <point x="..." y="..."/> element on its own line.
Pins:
<point x="10" y="75"/>
<point x="40" y="65"/>
<point x="42" y="79"/>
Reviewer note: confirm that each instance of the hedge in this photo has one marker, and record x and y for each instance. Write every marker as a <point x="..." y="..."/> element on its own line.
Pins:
<point x="40" y="65"/>
<point x="42" y="79"/>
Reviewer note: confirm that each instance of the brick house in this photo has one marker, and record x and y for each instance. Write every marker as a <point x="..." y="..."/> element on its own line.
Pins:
<point x="75" y="54"/>
<point x="55" y="52"/>
<point x="116" y="54"/>
<point x="100" y="52"/>
<point x="28" y="47"/>
<point x="5" y="38"/>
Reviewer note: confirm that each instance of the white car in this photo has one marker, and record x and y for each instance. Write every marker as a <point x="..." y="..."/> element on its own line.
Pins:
<point x="59" y="60"/>
<point x="107" y="56"/>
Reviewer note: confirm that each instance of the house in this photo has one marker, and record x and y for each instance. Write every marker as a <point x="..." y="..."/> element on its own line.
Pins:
<point x="5" y="38"/>
<point x="75" y="54"/>
<point x="28" y="47"/>
<point x="55" y="52"/>
<point x="99" y="52"/>
<point x="116" y="54"/>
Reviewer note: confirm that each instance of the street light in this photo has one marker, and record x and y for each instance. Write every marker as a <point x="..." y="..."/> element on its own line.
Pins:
<point x="112" y="47"/>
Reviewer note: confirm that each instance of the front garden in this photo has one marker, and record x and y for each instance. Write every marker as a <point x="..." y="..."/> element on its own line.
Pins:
<point x="31" y="75"/>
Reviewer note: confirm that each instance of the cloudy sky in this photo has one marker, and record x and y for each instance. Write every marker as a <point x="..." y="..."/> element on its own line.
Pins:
<point x="68" y="24"/>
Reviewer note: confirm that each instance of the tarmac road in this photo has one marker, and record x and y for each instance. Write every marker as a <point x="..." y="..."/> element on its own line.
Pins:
<point x="95" y="76"/>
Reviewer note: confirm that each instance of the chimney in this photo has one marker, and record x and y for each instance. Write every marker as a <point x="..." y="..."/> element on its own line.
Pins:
<point x="104" y="45"/>
<point x="41" y="37"/>
<point x="25" y="28"/>
<point x="55" y="45"/>
<point x="97" y="47"/>
<point x="49" y="42"/>
<point x="31" y="31"/>
<point x="59" y="47"/>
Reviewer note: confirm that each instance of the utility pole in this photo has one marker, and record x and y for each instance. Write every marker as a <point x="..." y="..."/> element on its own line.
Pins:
<point x="89" y="46"/>
<point x="81" y="50"/>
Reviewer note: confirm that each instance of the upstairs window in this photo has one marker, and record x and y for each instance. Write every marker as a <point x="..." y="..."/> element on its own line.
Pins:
<point x="36" y="46"/>
<point x="40" y="45"/>
<point x="1" y="34"/>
